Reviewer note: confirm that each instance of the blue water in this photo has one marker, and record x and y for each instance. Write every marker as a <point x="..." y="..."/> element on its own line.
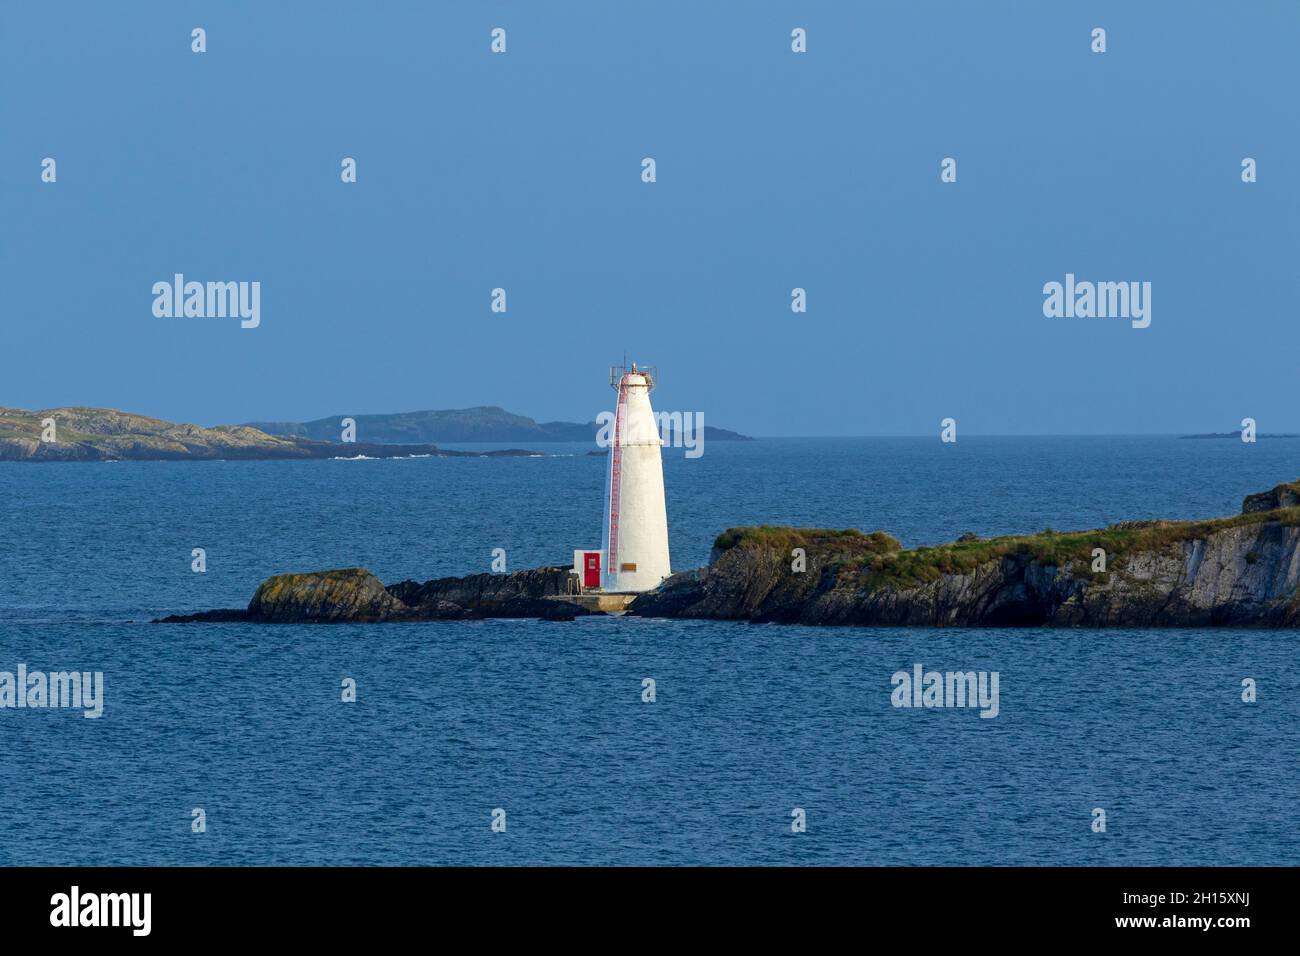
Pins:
<point x="545" y="720"/>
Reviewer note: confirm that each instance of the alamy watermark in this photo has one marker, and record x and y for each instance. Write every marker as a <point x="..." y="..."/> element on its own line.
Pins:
<point x="75" y="908"/>
<point x="37" y="690"/>
<point x="922" y="688"/>
<point x="676" y="430"/>
<point x="1102" y="300"/>
<point x="209" y="300"/>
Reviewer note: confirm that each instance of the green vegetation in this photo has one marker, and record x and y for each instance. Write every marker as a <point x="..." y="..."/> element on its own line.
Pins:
<point x="282" y="586"/>
<point x="1291" y="486"/>
<point x="777" y="538"/>
<point x="1058" y="549"/>
<point x="878" y="560"/>
<point x="90" y="433"/>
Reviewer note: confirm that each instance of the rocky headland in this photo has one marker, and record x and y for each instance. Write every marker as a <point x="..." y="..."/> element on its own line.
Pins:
<point x="484" y="423"/>
<point x="1239" y="571"/>
<point x="1236" y="571"/>
<point x="105" y="434"/>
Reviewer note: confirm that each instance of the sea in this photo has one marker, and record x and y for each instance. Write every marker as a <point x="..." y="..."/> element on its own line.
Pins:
<point x="526" y="742"/>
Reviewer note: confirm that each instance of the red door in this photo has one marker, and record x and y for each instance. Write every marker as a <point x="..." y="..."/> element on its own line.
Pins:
<point x="591" y="569"/>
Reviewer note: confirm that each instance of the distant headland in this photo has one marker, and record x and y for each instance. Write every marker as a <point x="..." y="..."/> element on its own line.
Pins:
<point x="1237" y="435"/>
<point x="104" y="434"/>
<point x="484" y="423"/>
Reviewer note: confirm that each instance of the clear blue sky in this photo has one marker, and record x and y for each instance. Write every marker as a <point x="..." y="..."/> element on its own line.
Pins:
<point x="775" y="170"/>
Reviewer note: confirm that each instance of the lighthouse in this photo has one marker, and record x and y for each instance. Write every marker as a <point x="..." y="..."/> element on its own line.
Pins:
<point x="636" y="522"/>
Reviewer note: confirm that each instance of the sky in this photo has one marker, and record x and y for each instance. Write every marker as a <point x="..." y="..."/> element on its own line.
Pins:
<point x="775" y="170"/>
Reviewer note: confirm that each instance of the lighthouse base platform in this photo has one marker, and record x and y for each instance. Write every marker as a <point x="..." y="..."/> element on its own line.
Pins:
<point x="602" y="601"/>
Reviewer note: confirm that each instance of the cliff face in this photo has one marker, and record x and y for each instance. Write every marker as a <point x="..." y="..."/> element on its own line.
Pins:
<point x="1236" y="571"/>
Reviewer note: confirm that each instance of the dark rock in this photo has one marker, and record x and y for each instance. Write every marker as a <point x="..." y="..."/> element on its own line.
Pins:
<point x="1281" y="496"/>
<point x="354" y="595"/>
<point x="543" y="608"/>
<point x="206" y="617"/>
<point x="444" y="611"/>
<point x="350" y="594"/>
<point x="481" y="590"/>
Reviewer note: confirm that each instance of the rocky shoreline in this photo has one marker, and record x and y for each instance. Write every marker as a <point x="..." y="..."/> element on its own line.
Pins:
<point x="1240" y="571"/>
<point x="354" y="595"/>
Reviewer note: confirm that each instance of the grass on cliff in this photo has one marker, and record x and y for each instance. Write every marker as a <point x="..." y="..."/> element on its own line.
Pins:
<point x="785" y="540"/>
<point x="279" y="585"/>
<point x="880" y="561"/>
<point x="1278" y="491"/>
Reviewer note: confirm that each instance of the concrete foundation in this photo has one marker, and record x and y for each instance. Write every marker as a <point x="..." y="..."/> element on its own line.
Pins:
<point x="597" y="601"/>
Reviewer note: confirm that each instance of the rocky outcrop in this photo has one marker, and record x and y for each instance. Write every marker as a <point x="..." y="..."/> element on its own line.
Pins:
<point x="351" y="594"/>
<point x="1241" y="571"/>
<point x="104" y="434"/>
<point x="484" y="590"/>
<point x="1238" y="571"/>
<point x="354" y="595"/>
<point x="1280" y="496"/>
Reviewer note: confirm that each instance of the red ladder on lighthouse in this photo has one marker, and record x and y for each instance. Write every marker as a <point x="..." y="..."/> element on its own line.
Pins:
<point x="616" y="473"/>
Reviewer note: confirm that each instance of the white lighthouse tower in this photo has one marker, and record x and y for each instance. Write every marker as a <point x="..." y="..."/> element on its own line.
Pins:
<point x="636" y="521"/>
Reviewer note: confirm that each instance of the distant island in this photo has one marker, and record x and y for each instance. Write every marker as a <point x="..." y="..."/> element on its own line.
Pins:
<point x="105" y="434"/>
<point x="485" y="423"/>
<point x="1237" y="435"/>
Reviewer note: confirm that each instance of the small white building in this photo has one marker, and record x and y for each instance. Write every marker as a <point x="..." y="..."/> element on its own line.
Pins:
<point x="587" y="566"/>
